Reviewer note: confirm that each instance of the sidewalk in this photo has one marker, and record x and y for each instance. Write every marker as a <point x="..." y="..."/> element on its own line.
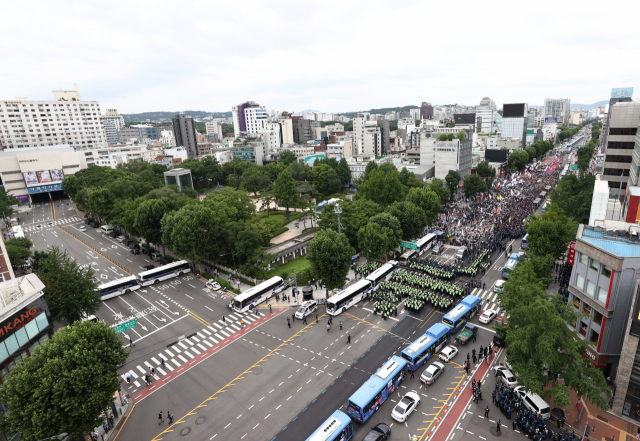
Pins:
<point x="123" y="413"/>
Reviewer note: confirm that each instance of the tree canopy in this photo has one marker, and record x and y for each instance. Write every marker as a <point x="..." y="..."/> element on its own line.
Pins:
<point x="550" y="233"/>
<point x="485" y="170"/>
<point x="330" y="257"/>
<point x="66" y="385"/>
<point x="518" y="160"/>
<point x="473" y="184"/>
<point x="573" y="196"/>
<point x="18" y="250"/>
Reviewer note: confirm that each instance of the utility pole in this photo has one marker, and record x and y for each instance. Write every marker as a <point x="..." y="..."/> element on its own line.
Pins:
<point x="338" y="211"/>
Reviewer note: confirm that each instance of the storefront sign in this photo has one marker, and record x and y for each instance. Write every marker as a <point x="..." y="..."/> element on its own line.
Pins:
<point x="17" y="321"/>
<point x="572" y="253"/>
<point x="596" y="359"/>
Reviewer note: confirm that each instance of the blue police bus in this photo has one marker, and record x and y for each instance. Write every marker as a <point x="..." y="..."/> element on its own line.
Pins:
<point x="430" y="343"/>
<point x="338" y="427"/>
<point x="461" y="314"/>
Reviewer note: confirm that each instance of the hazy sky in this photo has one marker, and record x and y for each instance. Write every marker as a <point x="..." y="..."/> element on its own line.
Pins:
<point x="139" y="56"/>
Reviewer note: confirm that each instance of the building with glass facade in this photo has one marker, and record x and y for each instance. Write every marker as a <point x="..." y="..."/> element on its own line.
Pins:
<point x="178" y="176"/>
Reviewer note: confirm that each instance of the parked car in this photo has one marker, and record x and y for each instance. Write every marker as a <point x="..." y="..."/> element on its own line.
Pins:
<point x="506" y="377"/>
<point x="498" y="340"/>
<point x="437" y="249"/>
<point x="432" y="372"/>
<point x="127" y="241"/>
<point x="380" y="432"/>
<point x="163" y="261"/>
<point x="95" y="225"/>
<point x="487" y="316"/>
<point x="148" y="267"/>
<point x="87" y="221"/>
<point x="155" y="256"/>
<point x="499" y="286"/>
<point x="83" y="228"/>
<point x="135" y="250"/>
<point x="534" y="402"/>
<point x="213" y="285"/>
<point x="145" y="251"/>
<point x="121" y="238"/>
<point x="403" y="409"/>
<point x="134" y="245"/>
<point x="448" y="353"/>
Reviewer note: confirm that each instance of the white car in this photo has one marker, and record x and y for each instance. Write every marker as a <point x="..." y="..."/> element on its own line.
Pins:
<point x="487" y="316"/>
<point x="404" y="408"/>
<point x="448" y="353"/>
<point x="499" y="286"/>
<point x="213" y="285"/>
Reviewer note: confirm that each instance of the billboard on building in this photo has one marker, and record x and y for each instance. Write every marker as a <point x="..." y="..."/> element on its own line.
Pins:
<point x="551" y="120"/>
<point x="30" y="178"/>
<point x="513" y="110"/>
<point x="44" y="177"/>
<point x="622" y="92"/>
<point x="464" y="118"/>
<point x="499" y="156"/>
<point x="57" y="175"/>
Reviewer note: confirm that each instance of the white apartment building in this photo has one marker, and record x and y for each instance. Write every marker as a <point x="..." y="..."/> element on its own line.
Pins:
<point x="514" y="121"/>
<point x="485" y="120"/>
<point x="167" y="137"/>
<point x="367" y="137"/>
<point x="112" y="160"/>
<point x="112" y="122"/>
<point x="408" y="124"/>
<point x="286" y="129"/>
<point x="69" y="120"/>
<point x="415" y="114"/>
<point x="271" y="139"/>
<point x="214" y="128"/>
<point x="249" y="117"/>
<point x="453" y="155"/>
<point x="558" y="108"/>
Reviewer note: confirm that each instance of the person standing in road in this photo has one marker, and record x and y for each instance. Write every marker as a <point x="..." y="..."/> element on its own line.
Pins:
<point x="498" y="425"/>
<point x="348" y="338"/>
<point x="411" y="373"/>
<point x="328" y="327"/>
<point x="161" y="418"/>
<point x="169" y="417"/>
<point x="269" y="308"/>
<point x="131" y="343"/>
<point x="341" y="325"/>
<point x="486" y="412"/>
<point x="289" y="322"/>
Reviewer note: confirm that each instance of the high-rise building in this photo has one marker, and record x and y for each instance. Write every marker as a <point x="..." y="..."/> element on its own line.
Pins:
<point x="112" y="121"/>
<point x="488" y="102"/>
<point x="214" y="128"/>
<point x="286" y="128"/>
<point x="485" y="121"/>
<point x="620" y="158"/>
<point x="66" y="120"/>
<point x="559" y="108"/>
<point x="249" y="117"/>
<point x="514" y="121"/>
<point x="302" y="131"/>
<point x="426" y="111"/>
<point x="184" y="129"/>
<point x="383" y="124"/>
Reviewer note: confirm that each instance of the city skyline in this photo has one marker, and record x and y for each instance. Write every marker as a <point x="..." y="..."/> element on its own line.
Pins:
<point x="313" y="56"/>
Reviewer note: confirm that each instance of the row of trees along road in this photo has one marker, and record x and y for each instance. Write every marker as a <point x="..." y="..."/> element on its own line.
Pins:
<point x="585" y="153"/>
<point x="543" y="345"/>
<point x="388" y="207"/>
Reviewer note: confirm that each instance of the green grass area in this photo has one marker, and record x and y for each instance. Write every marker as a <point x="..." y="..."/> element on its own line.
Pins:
<point x="301" y="264"/>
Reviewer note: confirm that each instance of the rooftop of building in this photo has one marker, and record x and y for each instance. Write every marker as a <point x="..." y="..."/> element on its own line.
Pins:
<point x="17" y="293"/>
<point x="615" y="237"/>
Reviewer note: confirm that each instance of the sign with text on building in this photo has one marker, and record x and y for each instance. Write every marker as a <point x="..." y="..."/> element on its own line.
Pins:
<point x="124" y="326"/>
<point x="410" y="245"/>
<point x="572" y="253"/>
<point x="622" y="92"/>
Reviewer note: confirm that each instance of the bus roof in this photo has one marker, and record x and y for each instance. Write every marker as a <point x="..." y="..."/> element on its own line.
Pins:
<point x="420" y="343"/>
<point x="456" y="312"/>
<point x="356" y="286"/>
<point x="374" y="385"/>
<point x="407" y="254"/>
<point x="382" y="270"/>
<point x="117" y="281"/>
<point x="471" y="301"/>
<point x="260" y="287"/>
<point x="329" y="427"/>
<point x="168" y="265"/>
<point x="425" y="239"/>
<point x="437" y="330"/>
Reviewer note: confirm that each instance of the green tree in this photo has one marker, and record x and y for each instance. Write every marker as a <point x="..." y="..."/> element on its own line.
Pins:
<point x="148" y="218"/>
<point x="428" y="201"/>
<point x="392" y="227"/>
<point x="473" y="184"/>
<point x="382" y="187"/>
<point x="299" y="171"/>
<point x="445" y="137"/>
<point x="344" y="172"/>
<point x="412" y="218"/>
<point x="69" y="289"/>
<point x="573" y="196"/>
<point x="550" y="233"/>
<point x="541" y="345"/>
<point x="461" y="135"/>
<point x="371" y="166"/>
<point x="453" y="180"/>
<point x="373" y="241"/>
<point x="287" y="157"/>
<point x="267" y="200"/>
<point x="245" y="238"/>
<point x="518" y="160"/>
<point x="6" y="202"/>
<point x="285" y="191"/>
<point x="195" y="232"/>
<point x="408" y="179"/>
<point x="531" y="151"/>
<point x="330" y="257"/>
<point x="66" y="385"/>
<point x="101" y="202"/>
<point x="325" y="179"/>
<point x="18" y="250"/>
<point x="438" y="188"/>
<point x="236" y="203"/>
<point x="253" y="180"/>
<point x="485" y="170"/>
<point x="354" y="216"/>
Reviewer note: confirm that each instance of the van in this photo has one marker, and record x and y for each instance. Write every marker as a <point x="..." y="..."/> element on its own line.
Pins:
<point x="14" y="222"/>
<point x="461" y="253"/>
<point x="306" y="308"/>
<point x="106" y="228"/>
<point x="498" y="340"/>
<point x="155" y="256"/>
<point x="534" y="402"/>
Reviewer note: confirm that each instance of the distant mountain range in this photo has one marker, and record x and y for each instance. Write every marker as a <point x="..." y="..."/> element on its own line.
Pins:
<point x="591" y="106"/>
<point x="166" y="116"/>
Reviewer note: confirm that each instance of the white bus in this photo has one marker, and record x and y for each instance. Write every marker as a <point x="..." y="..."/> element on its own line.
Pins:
<point x="173" y="269"/>
<point x="382" y="274"/>
<point x="347" y="298"/>
<point x="117" y="287"/>
<point x="258" y="294"/>
<point x="405" y="259"/>
<point x="106" y="228"/>
<point x="426" y="243"/>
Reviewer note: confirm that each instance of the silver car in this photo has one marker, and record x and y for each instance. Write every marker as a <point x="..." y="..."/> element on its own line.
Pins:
<point x="432" y="372"/>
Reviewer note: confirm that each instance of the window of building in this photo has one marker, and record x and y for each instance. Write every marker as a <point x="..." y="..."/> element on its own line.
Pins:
<point x="595" y="265"/>
<point x="583" y="328"/>
<point x="587" y="309"/>
<point x="623" y="130"/>
<point x="602" y="294"/>
<point x="580" y="281"/>
<point x="584" y="259"/>
<point x="591" y="288"/>
<point x="606" y="271"/>
<point x="593" y="337"/>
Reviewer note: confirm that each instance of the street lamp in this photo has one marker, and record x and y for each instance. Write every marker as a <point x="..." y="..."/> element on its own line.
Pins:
<point x="338" y="211"/>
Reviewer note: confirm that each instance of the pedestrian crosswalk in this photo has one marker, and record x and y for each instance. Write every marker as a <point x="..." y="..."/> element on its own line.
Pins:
<point x="489" y="299"/>
<point x="51" y="224"/>
<point x="186" y="349"/>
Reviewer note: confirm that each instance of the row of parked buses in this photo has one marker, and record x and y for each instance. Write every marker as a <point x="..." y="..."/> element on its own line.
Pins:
<point x="145" y="278"/>
<point x="370" y="396"/>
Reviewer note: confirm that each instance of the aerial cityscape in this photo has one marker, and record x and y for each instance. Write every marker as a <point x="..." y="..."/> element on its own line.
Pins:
<point x="217" y="227"/>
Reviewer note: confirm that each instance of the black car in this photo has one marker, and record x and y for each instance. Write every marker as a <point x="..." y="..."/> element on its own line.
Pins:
<point x="145" y="251"/>
<point x="127" y="242"/>
<point x="87" y="221"/>
<point x="498" y="340"/>
<point x="148" y="267"/>
<point x="380" y="432"/>
<point x="95" y="225"/>
<point x="163" y="261"/>
<point x="134" y="245"/>
<point x="135" y="251"/>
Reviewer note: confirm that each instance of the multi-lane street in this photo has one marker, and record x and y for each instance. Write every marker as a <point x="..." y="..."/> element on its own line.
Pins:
<point x="262" y="380"/>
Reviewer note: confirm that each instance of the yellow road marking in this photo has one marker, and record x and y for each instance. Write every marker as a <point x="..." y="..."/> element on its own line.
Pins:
<point x="231" y="383"/>
<point x="125" y="422"/>
<point x="426" y="319"/>
<point x="364" y="321"/>
<point x="201" y="320"/>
